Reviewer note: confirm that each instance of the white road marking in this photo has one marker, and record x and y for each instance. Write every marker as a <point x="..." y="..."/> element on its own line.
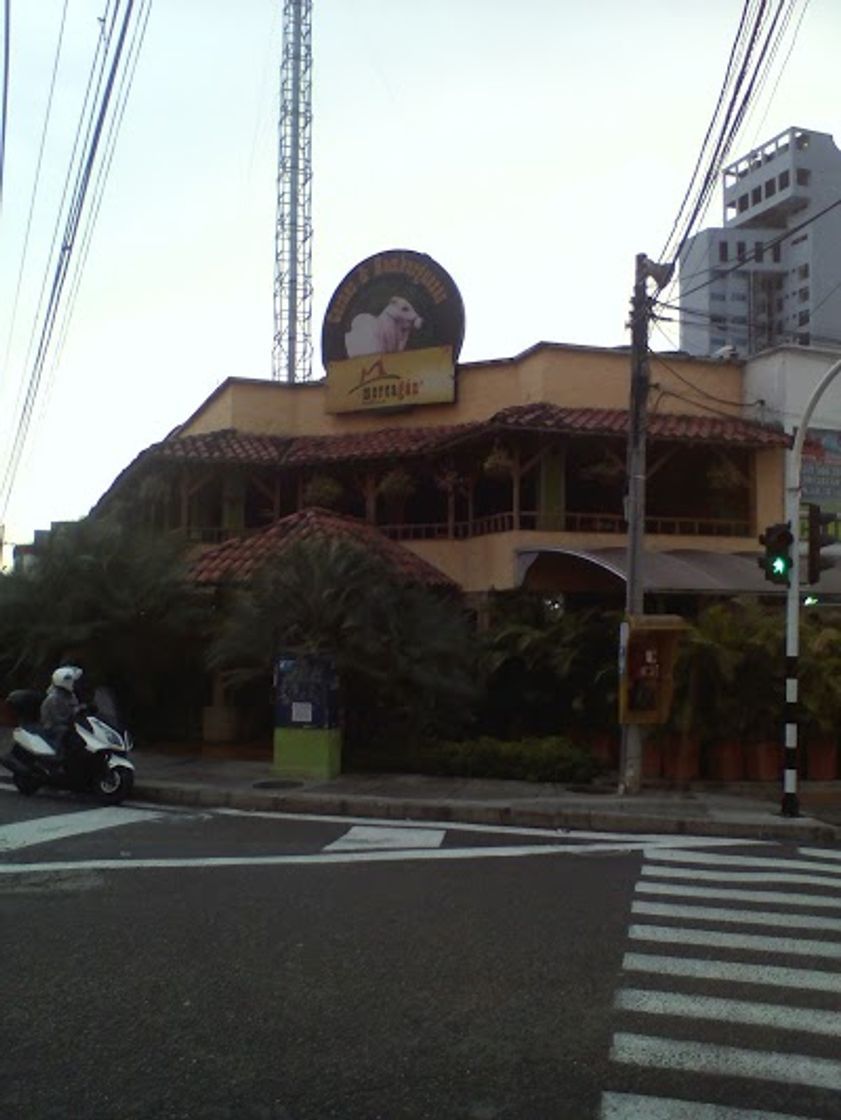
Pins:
<point x="726" y="1061"/>
<point x="657" y="872"/>
<point x="730" y="894"/>
<point x="631" y="1106"/>
<point x="635" y="839"/>
<point x="413" y="854"/>
<point x="820" y="853"/>
<point x="738" y="917"/>
<point x="45" y="830"/>
<point x="367" y="838"/>
<point x="782" y="1017"/>
<point x="734" y="971"/>
<point x="718" y="859"/>
<point x="715" y="939"/>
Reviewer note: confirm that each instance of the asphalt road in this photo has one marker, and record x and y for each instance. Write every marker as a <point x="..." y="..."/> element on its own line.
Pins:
<point x="176" y="964"/>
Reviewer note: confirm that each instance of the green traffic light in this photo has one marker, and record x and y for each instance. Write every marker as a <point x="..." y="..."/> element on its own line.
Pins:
<point x="779" y="566"/>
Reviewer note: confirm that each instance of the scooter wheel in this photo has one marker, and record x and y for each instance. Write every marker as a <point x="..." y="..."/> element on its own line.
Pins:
<point x="26" y="784"/>
<point x="114" y="785"/>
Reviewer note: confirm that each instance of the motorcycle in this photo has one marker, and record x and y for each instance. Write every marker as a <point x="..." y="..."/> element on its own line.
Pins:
<point x="94" y="759"/>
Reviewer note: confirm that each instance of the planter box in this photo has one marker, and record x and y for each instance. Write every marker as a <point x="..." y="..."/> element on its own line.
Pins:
<point x="822" y="760"/>
<point x="763" y="762"/>
<point x="652" y="758"/>
<point x="681" y="758"/>
<point x="726" y="762"/>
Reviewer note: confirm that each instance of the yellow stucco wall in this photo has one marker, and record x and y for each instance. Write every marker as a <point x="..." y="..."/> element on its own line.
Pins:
<point x="480" y="563"/>
<point x="571" y="376"/>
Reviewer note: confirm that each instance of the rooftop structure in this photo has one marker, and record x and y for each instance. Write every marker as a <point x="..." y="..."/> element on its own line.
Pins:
<point x="771" y="274"/>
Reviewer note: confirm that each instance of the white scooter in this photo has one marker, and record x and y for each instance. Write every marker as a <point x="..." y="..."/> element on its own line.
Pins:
<point x="94" y="761"/>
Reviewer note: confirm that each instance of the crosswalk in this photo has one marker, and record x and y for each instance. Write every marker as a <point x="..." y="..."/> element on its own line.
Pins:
<point x="731" y="989"/>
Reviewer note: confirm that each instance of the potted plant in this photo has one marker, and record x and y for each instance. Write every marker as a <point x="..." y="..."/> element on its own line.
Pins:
<point x="498" y="462"/>
<point x="820" y="695"/>
<point x="322" y="490"/>
<point x="396" y="485"/>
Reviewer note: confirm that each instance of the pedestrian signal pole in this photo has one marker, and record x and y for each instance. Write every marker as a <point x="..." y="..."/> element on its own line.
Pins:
<point x="790" y="801"/>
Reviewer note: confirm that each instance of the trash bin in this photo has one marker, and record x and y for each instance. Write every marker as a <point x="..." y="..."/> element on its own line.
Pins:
<point x="307" y="738"/>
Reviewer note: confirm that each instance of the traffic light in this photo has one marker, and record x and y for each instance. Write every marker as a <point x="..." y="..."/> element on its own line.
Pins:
<point x="776" y="563"/>
<point x="818" y="539"/>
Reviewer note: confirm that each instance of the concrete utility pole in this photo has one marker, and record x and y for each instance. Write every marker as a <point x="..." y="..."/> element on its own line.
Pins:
<point x="630" y="775"/>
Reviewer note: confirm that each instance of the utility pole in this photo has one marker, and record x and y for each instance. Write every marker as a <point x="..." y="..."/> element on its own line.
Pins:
<point x="630" y="776"/>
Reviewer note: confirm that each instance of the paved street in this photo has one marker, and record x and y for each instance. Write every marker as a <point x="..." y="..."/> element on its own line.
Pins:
<point x="178" y="963"/>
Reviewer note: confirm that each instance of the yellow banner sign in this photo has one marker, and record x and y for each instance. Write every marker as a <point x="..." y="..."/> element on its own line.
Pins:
<point x="378" y="381"/>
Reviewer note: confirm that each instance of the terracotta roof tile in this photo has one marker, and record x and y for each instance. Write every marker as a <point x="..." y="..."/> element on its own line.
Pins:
<point x="224" y="446"/>
<point x="663" y="425"/>
<point x="231" y="446"/>
<point x="237" y="559"/>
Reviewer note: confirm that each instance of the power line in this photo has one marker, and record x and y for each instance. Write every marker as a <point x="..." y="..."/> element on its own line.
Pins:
<point x="4" y="97"/>
<point x="95" y="128"/>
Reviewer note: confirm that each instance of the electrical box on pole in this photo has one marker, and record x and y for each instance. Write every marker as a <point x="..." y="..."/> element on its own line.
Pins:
<point x="818" y="539"/>
<point x="776" y="562"/>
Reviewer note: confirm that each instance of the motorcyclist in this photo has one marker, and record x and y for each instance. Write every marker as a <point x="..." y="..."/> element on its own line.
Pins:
<point x="60" y="706"/>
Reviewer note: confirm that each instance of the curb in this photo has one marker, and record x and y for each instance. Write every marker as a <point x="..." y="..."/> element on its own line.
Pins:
<point x="478" y="812"/>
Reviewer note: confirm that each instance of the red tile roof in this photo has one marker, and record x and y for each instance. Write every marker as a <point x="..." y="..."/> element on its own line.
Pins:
<point x="237" y="559"/>
<point x="660" y="425"/>
<point x="230" y="446"/>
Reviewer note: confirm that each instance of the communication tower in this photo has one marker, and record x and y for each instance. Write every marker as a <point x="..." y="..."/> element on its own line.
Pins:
<point x="292" y="350"/>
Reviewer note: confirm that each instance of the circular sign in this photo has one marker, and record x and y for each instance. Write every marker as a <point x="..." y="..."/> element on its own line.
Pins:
<point x="396" y="300"/>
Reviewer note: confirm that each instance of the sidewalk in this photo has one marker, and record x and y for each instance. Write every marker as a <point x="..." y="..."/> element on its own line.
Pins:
<point x="745" y="810"/>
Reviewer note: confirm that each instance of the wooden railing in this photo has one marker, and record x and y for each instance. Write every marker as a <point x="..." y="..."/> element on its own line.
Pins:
<point x="569" y="522"/>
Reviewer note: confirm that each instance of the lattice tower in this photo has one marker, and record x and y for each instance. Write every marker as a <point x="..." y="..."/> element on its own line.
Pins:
<point x="292" y="350"/>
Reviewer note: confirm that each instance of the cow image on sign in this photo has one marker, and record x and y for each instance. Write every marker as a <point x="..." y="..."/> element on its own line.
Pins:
<point x="386" y="333"/>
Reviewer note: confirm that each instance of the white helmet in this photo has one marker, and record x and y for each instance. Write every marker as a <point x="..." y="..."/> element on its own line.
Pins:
<point x="66" y="676"/>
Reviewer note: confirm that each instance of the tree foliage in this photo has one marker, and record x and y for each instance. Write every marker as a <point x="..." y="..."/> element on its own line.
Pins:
<point x="113" y="600"/>
<point x="404" y="655"/>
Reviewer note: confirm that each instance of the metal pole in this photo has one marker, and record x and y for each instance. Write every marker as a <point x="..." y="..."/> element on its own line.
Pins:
<point x="630" y="778"/>
<point x="790" y="802"/>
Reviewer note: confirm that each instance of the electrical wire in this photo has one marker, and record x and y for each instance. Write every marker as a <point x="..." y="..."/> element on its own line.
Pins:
<point x="96" y="125"/>
<point x="4" y="96"/>
<point x="35" y="185"/>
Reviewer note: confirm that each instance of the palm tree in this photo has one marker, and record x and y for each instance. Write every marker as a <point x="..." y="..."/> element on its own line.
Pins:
<point x="115" y="600"/>
<point x="404" y="656"/>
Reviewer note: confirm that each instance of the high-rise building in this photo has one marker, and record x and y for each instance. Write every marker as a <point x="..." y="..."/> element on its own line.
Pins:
<point x="772" y="273"/>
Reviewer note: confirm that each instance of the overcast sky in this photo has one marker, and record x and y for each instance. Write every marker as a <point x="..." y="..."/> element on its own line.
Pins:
<point x="532" y="148"/>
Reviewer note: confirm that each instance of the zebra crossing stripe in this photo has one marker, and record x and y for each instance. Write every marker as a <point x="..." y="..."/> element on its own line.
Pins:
<point x="694" y="874"/>
<point x="713" y="939"/>
<point x="631" y="1106"/>
<point x="738" y="917"/>
<point x="725" y="1061"/>
<point x="736" y="972"/>
<point x="44" y="830"/>
<point x="820" y="853"/>
<point x="781" y="1017"/>
<point x="717" y="860"/>
<point x="732" y="894"/>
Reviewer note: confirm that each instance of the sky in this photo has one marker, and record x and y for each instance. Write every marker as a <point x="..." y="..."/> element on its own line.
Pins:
<point x="531" y="148"/>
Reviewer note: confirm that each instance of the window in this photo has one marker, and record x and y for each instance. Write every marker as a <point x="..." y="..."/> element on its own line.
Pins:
<point x="803" y="318"/>
<point x="739" y="297"/>
<point x="758" y="252"/>
<point x="717" y="296"/>
<point x="716" y="341"/>
<point x="803" y="272"/>
<point x="803" y="176"/>
<point x="770" y="188"/>
<point x="785" y="179"/>
<point x="803" y="294"/>
<point x="755" y="196"/>
<point x="803" y="339"/>
<point x="775" y="253"/>
<point x="740" y="250"/>
<point x="799" y="240"/>
<point x="743" y="203"/>
<point x="722" y="251"/>
<point x="718" y="320"/>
